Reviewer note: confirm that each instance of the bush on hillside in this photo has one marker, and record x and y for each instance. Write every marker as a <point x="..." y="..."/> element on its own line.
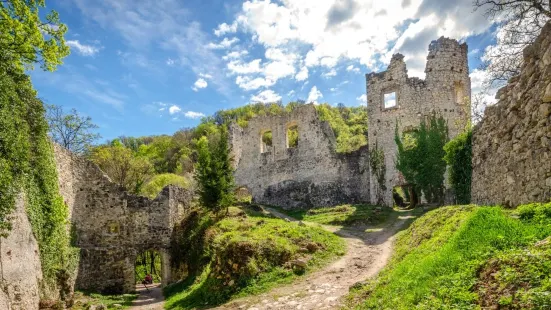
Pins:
<point x="154" y="186"/>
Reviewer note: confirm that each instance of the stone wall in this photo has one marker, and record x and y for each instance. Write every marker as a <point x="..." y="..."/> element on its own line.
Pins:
<point x="112" y="227"/>
<point x="446" y="91"/>
<point x="20" y="268"/>
<point x="312" y="174"/>
<point x="512" y="143"/>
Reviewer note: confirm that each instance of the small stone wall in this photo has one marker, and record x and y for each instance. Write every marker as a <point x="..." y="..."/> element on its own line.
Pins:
<point x="446" y="91"/>
<point x="312" y="174"/>
<point x="112" y="227"/>
<point x="512" y="143"/>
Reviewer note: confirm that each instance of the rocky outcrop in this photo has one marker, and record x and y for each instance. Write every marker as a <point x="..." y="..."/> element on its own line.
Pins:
<point x="512" y="144"/>
<point x="20" y="267"/>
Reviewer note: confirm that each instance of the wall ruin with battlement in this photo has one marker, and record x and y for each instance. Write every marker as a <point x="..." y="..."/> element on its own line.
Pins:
<point x="111" y="227"/>
<point x="311" y="174"/>
<point x="445" y="90"/>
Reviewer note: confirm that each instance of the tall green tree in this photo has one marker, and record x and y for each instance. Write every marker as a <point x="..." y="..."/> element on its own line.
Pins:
<point x="26" y="40"/>
<point x="214" y="172"/>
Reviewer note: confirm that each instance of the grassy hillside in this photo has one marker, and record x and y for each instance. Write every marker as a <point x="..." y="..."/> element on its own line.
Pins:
<point x="245" y="253"/>
<point x="342" y="215"/>
<point x="466" y="258"/>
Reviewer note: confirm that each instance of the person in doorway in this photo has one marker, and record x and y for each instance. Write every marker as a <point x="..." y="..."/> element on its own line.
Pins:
<point x="148" y="279"/>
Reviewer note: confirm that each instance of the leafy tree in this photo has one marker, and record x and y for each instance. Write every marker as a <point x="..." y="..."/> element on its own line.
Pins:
<point x="71" y="130"/>
<point x="154" y="186"/>
<point x="459" y="159"/>
<point x="214" y="172"/>
<point x="420" y="157"/>
<point x="348" y="124"/>
<point x="26" y="40"/>
<point x="122" y="166"/>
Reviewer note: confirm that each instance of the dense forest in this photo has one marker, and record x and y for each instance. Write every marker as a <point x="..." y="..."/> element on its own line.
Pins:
<point x="144" y="165"/>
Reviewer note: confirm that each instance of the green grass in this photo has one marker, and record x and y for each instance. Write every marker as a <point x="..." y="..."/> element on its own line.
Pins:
<point x="438" y="260"/>
<point x="344" y="215"/>
<point x="85" y="300"/>
<point x="250" y="252"/>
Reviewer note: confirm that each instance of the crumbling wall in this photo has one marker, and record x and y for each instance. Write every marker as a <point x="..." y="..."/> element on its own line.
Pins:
<point x="20" y="268"/>
<point x="111" y="227"/>
<point x="512" y="143"/>
<point x="312" y="174"/>
<point x="446" y="91"/>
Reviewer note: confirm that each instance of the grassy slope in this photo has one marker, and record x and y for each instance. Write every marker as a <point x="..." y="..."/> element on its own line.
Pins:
<point x="442" y="262"/>
<point x="250" y="253"/>
<point x="342" y="215"/>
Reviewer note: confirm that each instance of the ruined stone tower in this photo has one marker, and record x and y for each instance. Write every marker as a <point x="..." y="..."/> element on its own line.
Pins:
<point x="393" y="97"/>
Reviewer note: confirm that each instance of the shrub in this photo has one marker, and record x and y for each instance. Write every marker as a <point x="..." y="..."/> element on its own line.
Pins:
<point x="152" y="188"/>
<point x="459" y="159"/>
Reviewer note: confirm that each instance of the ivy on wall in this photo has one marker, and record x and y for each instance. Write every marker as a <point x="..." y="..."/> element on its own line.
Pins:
<point x="459" y="159"/>
<point x="27" y="164"/>
<point x="420" y="157"/>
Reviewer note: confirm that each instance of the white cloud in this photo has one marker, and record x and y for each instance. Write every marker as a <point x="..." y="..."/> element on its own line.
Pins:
<point x="223" y="44"/>
<point x="248" y="83"/>
<point x="174" y="109"/>
<point x="237" y="67"/>
<point x="290" y="93"/>
<point x="362" y="99"/>
<point x="302" y="75"/>
<point x="266" y="96"/>
<point x="199" y="84"/>
<point x="205" y="75"/>
<point x="366" y="32"/>
<point x="224" y="28"/>
<point x="314" y="95"/>
<point x="331" y="73"/>
<point x="170" y="62"/>
<point x="351" y="68"/>
<point x="235" y="55"/>
<point x="83" y="49"/>
<point x="193" y="115"/>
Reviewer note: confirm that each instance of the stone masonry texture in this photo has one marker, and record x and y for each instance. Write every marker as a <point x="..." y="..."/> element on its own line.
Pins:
<point x="512" y="143"/>
<point x="111" y="227"/>
<point x="445" y="91"/>
<point x="311" y="174"/>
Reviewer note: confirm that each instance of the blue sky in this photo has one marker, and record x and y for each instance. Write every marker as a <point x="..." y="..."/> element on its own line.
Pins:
<point x="152" y="67"/>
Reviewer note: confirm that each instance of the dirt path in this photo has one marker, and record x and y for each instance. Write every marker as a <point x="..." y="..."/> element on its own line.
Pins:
<point x="151" y="299"/>
<point x="366" y="255"/>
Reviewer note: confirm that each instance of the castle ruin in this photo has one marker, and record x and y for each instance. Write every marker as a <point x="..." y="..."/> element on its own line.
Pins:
<point x="396" y="100"/>
<point x="111" y="227"/>
<point x="313" y="174"/>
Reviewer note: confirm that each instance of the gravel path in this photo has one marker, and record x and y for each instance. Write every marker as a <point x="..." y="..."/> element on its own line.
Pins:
<point x="367" y="254"/>
<point x="151" y="299"/>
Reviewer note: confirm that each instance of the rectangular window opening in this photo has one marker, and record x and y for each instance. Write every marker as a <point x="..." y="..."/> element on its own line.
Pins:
<point x="389" y="100"/>
<point x="266" y="142"/>
<point x="292" y="137"/>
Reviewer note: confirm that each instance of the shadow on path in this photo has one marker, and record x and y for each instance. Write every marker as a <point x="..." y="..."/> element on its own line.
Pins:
<point x="148" y="299"/>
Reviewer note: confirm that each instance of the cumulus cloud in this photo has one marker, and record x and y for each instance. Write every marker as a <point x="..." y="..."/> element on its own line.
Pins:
<point x="224" y="28"/>
<point x="248" y="83"/>
<point x="173" y="109"/>
<point x="302" y="75"/>
<point x="266" y="96"/>
<point x="235" y="55"/>
<point x="331" y="73"/>
<point x="83" y="49"/>
<point x="193" y="115"/>
<point x="362" y="99"/>
<point x="200" y="83"/>
<point x="314" y="95"/>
